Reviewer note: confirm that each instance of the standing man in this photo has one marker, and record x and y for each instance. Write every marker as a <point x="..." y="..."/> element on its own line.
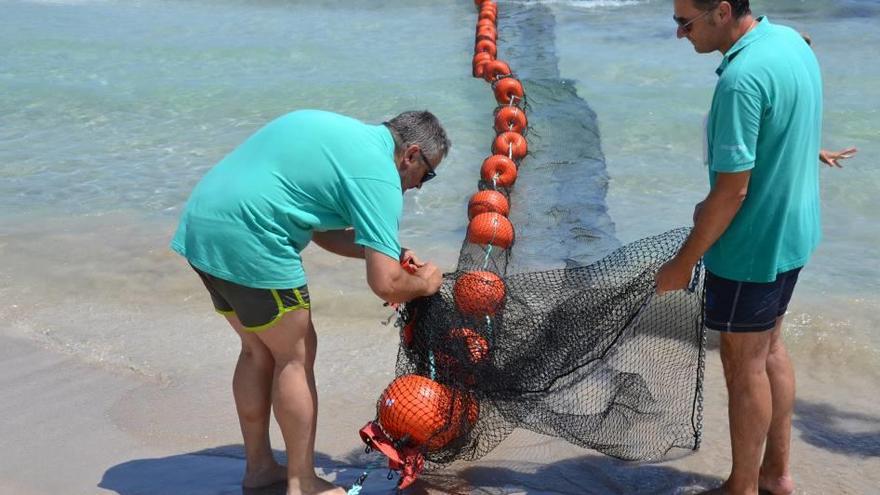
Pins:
<point x="758" y="225"/>
<point x="307" y="176"/>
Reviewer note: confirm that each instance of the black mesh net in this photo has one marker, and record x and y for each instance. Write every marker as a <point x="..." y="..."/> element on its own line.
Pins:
<point x="586" y="354"/>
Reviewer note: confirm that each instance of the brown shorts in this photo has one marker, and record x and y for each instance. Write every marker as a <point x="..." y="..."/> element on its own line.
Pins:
<point x="256" y="309"/>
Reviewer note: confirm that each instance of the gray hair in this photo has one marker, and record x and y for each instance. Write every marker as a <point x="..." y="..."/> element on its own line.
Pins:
<point x="738" y="7"/>
<point x="421" y="128"/>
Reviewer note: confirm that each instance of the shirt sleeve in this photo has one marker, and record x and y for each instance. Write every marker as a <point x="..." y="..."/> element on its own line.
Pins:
<point x="375" y="207"/>
<point x="737" y="121"/>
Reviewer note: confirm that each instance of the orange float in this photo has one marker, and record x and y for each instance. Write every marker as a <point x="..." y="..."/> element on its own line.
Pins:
<point x="488" y="201"/>
<point x="480" y="59"/>
<point x="490" y="229"/>
<point x="489" y="14"/>
<point x="486" y="33"/>
<point x="496" y="69"/>
<point x="477" y="346"/>
<point x="427" y="413"/>
<point x="474" y="349"/>
<point x="486" y="46"/>
<point x="499" y="170"/>
<point x="510" y="118"/>
<point x="487" y="5"/>
<point x="479" y="294"/>
<point x="508" y="90"/>
<point x="511" y="144"/>
<point x="487" y="23"/>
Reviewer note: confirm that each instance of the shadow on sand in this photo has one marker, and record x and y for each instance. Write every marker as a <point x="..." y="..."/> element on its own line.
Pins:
<point x="836" y="430"/>
<point x="218" y="471"/>
<point x="585" y="475"/>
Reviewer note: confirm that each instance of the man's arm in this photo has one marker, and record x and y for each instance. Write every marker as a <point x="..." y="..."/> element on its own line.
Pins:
<point x="390" y="281"/>
<point x="710" y="222"/>
<point x="339" y="242"/>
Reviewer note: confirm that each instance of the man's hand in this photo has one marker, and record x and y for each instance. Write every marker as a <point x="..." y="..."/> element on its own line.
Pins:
<point x="409" y="257"/>
<point x="431" y="275"/>
<point x="831" y="158"/>
<point x="673" y="275"/>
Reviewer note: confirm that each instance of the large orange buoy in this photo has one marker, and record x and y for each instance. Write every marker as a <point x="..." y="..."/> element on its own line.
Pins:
<point x="496" y="69"/>
<point x="510" y="118"/>
<point x="480" y="60"/>
<point x="508" y="91"/>
<point x="427" y="413"/>
<point x="490" y="229"/>
<point x="487" y="47"/>
<point x="489" y="14"/>
<point x="479" y="294"/>
<point x="488" y="201"/>
<point x="498" y="170"/>
<point x="511" y="144"/>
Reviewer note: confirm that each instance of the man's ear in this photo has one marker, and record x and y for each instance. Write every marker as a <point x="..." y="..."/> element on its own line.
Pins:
<point x="725" y="11"/>
<point x="410" y="152"/>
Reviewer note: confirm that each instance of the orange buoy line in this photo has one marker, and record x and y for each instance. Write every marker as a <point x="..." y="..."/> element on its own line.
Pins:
<point x="418" y="415"/>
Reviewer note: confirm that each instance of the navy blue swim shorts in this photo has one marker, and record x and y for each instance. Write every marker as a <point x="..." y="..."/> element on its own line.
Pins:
<point x="733" y="306"/>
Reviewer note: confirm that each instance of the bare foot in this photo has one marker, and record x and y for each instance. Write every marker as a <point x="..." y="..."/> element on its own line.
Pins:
<point x="780" y="485"/>
<point x="312" y="486"/>
<point x="269" y="475"/>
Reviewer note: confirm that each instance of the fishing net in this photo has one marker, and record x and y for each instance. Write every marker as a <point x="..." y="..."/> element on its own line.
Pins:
<point x="587" y="354"/>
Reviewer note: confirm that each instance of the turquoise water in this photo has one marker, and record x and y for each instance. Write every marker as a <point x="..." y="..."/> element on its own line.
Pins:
<point x="117" y="108"/>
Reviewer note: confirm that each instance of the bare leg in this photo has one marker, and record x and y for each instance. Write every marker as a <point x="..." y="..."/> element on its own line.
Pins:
<point x="749" y="408"/>
<point x="252" y="389"/>
<point x="775" y="470"/>
<point x="293" y="345"/>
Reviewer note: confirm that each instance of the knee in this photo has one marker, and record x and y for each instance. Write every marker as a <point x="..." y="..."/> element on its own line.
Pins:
<point x="740" y="370"/>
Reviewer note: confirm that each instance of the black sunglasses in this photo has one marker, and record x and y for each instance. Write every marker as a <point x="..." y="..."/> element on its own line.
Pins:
<point x="430" y="174"/>
<point x="685" y="24"/>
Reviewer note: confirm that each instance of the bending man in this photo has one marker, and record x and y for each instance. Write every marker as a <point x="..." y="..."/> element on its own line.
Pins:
<point x="308" y="175"/>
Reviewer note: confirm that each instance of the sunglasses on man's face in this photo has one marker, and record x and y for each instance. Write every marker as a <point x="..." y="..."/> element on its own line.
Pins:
<point x="685" y="25"/>
<point x="430" y="174"/>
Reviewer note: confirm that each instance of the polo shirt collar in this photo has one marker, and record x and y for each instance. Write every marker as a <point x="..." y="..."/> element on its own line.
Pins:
<point x="758" y="32"/>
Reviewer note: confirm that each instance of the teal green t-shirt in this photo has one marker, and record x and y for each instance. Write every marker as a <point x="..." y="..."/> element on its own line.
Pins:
<point x="249" y="218"/>
<point x="766" y="117"/>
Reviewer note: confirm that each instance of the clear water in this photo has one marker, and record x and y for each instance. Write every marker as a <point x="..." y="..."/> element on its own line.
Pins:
<point x="111" y="110"/>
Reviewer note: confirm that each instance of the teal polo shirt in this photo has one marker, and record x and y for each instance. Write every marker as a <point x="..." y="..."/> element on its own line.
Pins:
<point x="249" y="218"/>
<point x="766" y="116"/>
